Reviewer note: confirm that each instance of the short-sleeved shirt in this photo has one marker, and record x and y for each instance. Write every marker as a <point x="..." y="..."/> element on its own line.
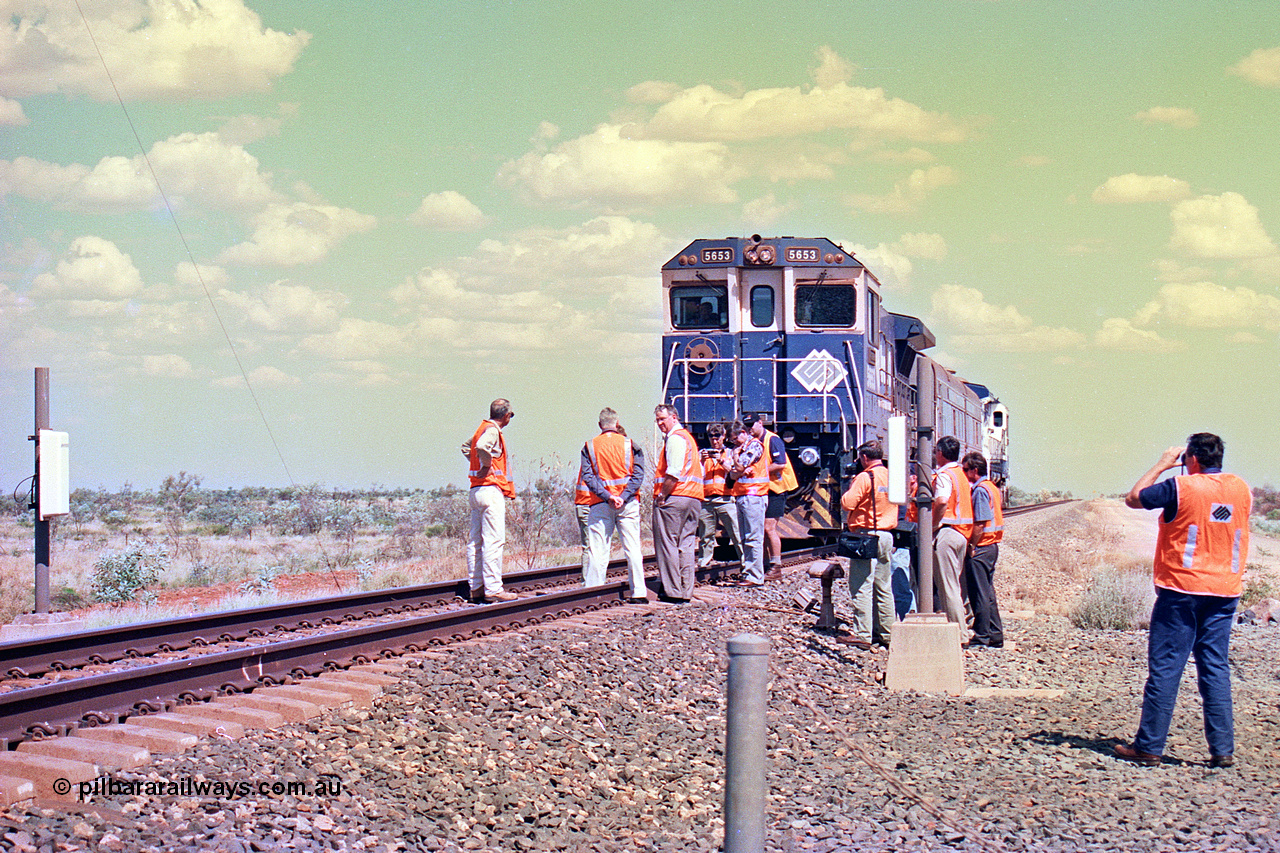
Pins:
<point x="982" y="510"/>
<point x="1164" y="495"/>
<point x="675" y="450"/>
<point x="777" y="450"/>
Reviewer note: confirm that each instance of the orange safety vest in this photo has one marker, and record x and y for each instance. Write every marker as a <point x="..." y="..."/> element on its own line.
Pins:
<point x="689" y="478"/>
<point x="873" y="510"/>
<point x="713" y="477"/>
<point x="994" y="531"/>
<point x="756" y="479"/>
<point x="581" y="494"/>
<point x="784" y="480"/>
<point x="613" y="461"/>
<point x="497" y="475"/>
<point x="959" y="512"/>
<point x="1204" y="548"/>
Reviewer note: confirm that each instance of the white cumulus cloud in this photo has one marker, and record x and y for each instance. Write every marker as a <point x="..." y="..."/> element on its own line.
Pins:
<point x="1224" y="227"/>
<point x="297" y="233"/>
<point x="281" y="307"/>
<point x="1131" y="188"/>
<point x="1211" y="306"/>
<point x="616" y="171"/>
<point x="1261" y="67"/>
<point x="908" y="194"/>
<point x="11" y="113"/>
<point x="154" y="49"/>
<point x="93" y="268"/>
<point x="1121" y="335"/>
<point x="975" y="324"/>
<point x="448" y="211"/>
<point x="1179" y="117"/>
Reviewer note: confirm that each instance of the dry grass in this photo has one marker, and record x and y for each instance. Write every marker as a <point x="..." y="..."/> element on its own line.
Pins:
<point x="220" y="572"/>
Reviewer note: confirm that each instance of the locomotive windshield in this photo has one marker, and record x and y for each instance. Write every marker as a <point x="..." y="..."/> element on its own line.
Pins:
<point x="700" y="306"/>
<point x="833" y="304"/>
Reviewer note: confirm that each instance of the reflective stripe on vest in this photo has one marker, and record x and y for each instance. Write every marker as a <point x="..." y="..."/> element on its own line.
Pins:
<point x="497" y="475"/>
<point x="613" y="460"/>
<point x="713" y="477"/>
<point x="961" y="500"/>
<point x="994" y="531"/>
<point x="689" y="478"/>
<point x="756" y="480"/>
<point x="1204" y="548"/>
<point x="784" y="480"/>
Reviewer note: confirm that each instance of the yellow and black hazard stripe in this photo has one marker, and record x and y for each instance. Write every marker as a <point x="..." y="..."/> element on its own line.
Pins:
<point x="824" y="505"/>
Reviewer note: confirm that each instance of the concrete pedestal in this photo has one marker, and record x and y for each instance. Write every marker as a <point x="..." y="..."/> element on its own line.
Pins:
<point x="925" y="655"/>
<point x="27" y="626"/>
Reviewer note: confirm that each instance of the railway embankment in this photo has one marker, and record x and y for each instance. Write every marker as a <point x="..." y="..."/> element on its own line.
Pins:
<point x="606" y="733"/>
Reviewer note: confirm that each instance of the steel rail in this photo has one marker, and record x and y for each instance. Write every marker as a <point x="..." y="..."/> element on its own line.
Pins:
<point x="38" y="655"/>
<point x="51" y="709"/>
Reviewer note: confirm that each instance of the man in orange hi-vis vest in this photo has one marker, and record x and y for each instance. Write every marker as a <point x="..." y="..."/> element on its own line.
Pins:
<point x="611" y="472"/>
<point x="952" y="524"/>
<point x="984" y="550"/>
<point x="677" y="500"/>
<point x="491" y="486"/>
<point x="1201" y="550"/>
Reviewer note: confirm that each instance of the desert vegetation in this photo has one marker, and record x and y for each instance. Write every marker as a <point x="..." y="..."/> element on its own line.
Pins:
<point x="143" y="549"/>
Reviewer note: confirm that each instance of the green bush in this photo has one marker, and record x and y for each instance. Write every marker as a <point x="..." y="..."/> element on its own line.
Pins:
<point x="118" y="578"/>
<point x="1116" y="600"/>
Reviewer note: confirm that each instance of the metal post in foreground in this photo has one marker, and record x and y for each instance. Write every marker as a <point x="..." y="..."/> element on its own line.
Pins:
<point x="924" y="457"/>
<point x="746" y="730"/>
<point x="41" y="525"/>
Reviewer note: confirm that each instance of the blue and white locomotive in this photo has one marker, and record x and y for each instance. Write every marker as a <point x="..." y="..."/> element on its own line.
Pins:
<point x="793" y="329"/>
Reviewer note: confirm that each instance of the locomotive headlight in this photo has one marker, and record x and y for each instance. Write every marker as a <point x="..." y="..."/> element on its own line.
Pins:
<point x="809" y="455"/>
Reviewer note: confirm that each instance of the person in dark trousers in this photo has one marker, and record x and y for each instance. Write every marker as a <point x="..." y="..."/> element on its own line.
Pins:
<point x="984" y="550"/>
<point x="1201" y="551"/>
<point x="677" y="500"/>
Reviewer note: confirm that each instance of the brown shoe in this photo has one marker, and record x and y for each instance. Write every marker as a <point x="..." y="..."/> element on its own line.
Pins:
<point x="852" y="640"/>
<point x="774" y="574"/>
<point x="1128" y="753"/>
<point x="503" y="596"/>
<point x="1221" y="761"/>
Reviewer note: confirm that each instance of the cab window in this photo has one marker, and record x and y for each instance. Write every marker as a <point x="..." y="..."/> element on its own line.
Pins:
<point x="826" y="304"/>
<point x="762" y="306"/>
<point x="700" y="306"/>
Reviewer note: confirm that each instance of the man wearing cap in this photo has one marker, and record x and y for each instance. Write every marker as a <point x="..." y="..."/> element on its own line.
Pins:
<point x="782" y="479"/>
<point x="491" y="487"/>
<point x="871" y="581"/>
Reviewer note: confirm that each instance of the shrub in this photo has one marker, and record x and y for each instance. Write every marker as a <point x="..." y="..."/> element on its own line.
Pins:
<point x="118" y="578"/>
<point x="1116" y="600"/>
<point x="1257" y="586"/>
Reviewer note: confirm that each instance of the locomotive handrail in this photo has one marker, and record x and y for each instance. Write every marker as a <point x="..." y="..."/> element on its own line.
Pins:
<point x="853" y="369"/>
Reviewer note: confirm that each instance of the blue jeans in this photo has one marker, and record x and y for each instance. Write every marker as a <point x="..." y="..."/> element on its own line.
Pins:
<point x="1184" y="625"/>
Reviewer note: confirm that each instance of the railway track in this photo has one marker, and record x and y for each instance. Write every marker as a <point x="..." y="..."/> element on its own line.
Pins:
<point x="50" y="709"/>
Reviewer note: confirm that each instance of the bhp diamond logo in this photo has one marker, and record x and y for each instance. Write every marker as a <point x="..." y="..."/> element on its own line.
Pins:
<point x="819" y="372"/>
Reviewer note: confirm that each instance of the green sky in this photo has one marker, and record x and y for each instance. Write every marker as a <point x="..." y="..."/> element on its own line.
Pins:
<point x="400" y="210"/>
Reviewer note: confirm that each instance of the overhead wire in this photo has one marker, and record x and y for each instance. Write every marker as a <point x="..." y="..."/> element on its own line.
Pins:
<point x="186" y="246"/>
